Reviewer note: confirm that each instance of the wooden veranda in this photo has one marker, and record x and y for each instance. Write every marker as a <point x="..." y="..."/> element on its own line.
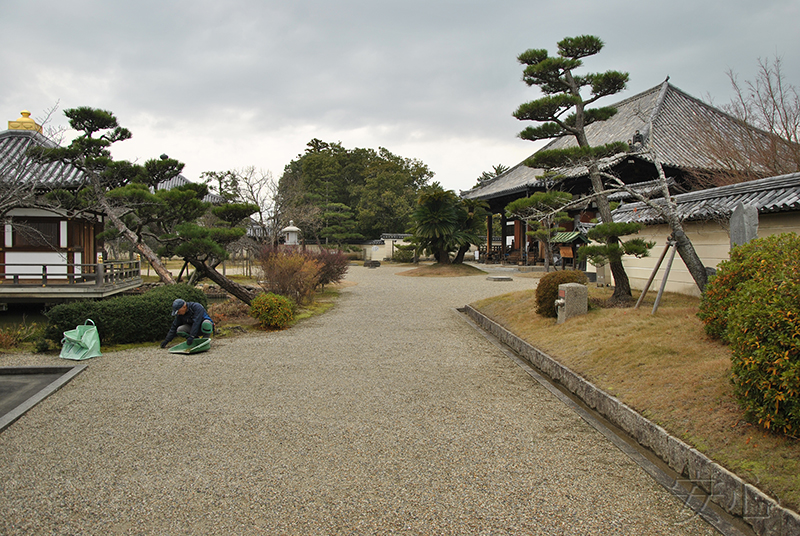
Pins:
<point x="53" y="283"/>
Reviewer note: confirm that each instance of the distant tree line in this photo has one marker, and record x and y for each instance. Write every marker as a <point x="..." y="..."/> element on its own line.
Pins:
<point x="336" y="195"/>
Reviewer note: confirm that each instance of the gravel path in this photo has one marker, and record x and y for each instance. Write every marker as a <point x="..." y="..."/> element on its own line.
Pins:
<point x="386" y="415"/>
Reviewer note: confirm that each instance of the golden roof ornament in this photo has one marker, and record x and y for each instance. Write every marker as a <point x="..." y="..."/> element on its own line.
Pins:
<point x="24" y="123"/>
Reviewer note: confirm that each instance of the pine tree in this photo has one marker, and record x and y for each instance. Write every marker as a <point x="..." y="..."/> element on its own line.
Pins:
<point x="562" y="111"/>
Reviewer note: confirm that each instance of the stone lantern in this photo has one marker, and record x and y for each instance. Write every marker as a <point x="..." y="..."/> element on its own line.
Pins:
<point x="292" y="234"/>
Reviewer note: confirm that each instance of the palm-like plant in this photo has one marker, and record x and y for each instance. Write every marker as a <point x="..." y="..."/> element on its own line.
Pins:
<point x="436" y="222"/>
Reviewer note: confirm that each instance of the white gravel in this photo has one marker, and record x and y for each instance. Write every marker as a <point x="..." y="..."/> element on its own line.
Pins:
<point x="386" y="415"/>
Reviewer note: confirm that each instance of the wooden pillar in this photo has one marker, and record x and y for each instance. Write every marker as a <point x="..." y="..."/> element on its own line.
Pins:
<point x="489" y="237"/>
<point x="503" y="231"/>
<point x="519" y="234"/>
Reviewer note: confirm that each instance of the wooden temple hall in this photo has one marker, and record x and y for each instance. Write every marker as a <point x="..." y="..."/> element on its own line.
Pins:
<point x="677" y="122"/>
<point x="50" y="254"/>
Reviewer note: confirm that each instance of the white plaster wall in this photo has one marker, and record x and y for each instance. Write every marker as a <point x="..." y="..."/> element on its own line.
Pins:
<point x="711" y="241"/>
<point x="32" y="262"/>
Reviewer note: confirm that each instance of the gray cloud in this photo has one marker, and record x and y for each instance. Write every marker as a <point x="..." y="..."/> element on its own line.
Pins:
<point x="229" y="84"/>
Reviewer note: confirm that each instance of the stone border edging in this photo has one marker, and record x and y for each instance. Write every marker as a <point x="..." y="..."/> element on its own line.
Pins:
<point x="724" y="488"/>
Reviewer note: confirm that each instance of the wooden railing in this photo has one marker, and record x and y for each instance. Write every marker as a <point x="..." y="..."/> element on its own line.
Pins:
<point x="108" y="273"/>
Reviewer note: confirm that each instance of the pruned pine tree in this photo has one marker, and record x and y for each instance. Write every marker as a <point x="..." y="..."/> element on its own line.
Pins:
<point x="90" y="153"/>
<point x="562" y="111"/>
<point x="542" y="212"/>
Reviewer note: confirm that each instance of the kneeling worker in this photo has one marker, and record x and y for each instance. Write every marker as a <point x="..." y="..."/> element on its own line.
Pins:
<point x="191" y="320"/>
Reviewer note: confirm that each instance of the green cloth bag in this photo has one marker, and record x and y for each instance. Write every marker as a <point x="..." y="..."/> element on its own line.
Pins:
<point x="80" y="343"/>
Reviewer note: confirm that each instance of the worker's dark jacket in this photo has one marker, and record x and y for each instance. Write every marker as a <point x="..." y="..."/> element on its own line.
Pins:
<point x="195" y="314"/>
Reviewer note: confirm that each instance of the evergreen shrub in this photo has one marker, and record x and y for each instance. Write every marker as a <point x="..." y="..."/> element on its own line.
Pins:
<point x="547" y="289"/>
<point x="757" y="295"/>
<point x="123" y="319"/>
<point x="764" y="334"/>
<point x="403" y="253"/>
<point x="761" y="256"/>
<point x="272" y="311"/>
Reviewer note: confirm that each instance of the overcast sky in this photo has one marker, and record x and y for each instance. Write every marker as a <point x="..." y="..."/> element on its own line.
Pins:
<point x="227" y="84"/>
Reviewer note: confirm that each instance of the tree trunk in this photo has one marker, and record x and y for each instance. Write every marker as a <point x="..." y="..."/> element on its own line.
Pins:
<point x="622" y="286"/>
<point x="682" y="243"/>
<point x="548" y="255"/>
<point x="143" y="249"/>
<point x="689" y="255"/>
<point x="232" y="287"/>
<point x="460" y="255"/>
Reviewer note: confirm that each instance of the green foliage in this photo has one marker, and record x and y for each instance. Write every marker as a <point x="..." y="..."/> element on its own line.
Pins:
<point x="123" y="319"/>
<point x="764" y="334"/>
<point x="754" y="304"/>
<point x="90" y="151"/>
<point x="358" y="192"/>
<point x="611" y="249"/>
<point x="445" y="223"/>
<point x="547" y="289"/>
<point x="234" y="213"/>
<point x="499" y="169"/>
<point x="340" y="224"/>
<point x="272" y="311"/>
<point x="573" y="155"/>
<point x="196" y="243"/>
<point x="763" y="257"/>
<point x="554" y="76"/>
<point x="403" y="252"/>
<point x="289" y="272"/>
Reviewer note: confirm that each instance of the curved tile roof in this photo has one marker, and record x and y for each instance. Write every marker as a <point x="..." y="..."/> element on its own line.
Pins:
<point x="180" y="180"/>
<point x="17" y="166"/>
<point x="681" y="124"/>
<point x="773" y="194"/>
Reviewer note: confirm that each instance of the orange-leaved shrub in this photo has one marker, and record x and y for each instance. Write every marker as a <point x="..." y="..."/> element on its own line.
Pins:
<point x="272" y="310"/>
<point x="289" y="272"/>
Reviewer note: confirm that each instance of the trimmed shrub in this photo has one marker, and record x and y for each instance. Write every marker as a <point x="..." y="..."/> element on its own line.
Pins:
<point x="753" y="303"/>
<point x="123" y="319"/>
<point x="761" y="256"/>
<point x="763" y="329"/>
<point x="404" y="253"/>
<point x="272" y="310"/>
<point x="547" y="289"/>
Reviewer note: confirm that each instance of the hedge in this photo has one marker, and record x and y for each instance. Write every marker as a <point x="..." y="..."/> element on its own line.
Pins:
<point x="123" y="319"/>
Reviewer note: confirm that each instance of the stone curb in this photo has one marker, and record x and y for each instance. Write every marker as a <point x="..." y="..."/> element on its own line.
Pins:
<point x="724" y="488"/>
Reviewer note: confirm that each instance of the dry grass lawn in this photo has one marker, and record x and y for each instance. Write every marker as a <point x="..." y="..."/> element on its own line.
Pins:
<point x="665" y="367"/>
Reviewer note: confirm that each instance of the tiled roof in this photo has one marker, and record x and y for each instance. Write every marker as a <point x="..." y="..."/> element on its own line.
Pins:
<point x="15" y="164"/>
<point x="516" y="179"/>
<point x="773" y="194"/>
<point x="180" y="180"/>
<point x="680" y="125"/>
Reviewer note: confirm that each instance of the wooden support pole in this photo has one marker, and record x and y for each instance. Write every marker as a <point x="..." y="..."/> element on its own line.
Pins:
<point x="666" y="275"/>
<point x="653" y="275"/>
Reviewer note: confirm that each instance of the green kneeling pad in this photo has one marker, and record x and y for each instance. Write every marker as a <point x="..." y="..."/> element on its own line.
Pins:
<point x="199" y="345"/>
